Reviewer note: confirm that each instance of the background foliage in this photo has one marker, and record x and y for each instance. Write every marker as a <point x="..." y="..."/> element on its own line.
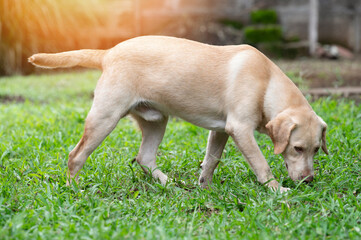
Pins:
<point x="29" y="26"/>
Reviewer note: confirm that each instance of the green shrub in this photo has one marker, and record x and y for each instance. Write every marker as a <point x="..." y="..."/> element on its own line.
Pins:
<point x="255" y="35"/>
<point x="232" y="23"/>
<point x="264" y="17"/>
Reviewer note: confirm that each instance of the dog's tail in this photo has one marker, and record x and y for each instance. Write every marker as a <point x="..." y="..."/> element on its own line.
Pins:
<point x="83" y="58"/>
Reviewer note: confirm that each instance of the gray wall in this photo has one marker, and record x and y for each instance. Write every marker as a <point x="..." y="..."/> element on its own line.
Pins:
<point x="339" y="21"/>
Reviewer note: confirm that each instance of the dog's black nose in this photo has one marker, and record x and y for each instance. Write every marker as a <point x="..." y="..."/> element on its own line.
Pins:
<point x="307" y="179"/>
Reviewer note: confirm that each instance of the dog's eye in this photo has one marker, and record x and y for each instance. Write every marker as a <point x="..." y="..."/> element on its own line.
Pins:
<point x="316" y="149"/>
<point x="299" y="149"/>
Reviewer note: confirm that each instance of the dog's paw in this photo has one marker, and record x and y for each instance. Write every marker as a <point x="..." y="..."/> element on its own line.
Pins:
<point x="205" y="181"/>
<point x="280" y="189"/>
<point x="283" y="189"/>
<point x="275" y="187"/>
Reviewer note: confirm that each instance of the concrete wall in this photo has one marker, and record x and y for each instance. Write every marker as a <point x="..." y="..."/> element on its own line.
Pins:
<point x="339" y="21"/>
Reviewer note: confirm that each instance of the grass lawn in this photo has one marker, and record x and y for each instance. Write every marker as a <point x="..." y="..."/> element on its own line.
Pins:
<point x="42" y="118"/>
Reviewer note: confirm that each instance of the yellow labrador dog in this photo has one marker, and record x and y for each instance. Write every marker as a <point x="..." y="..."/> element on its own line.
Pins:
<point x="230" y="90"/>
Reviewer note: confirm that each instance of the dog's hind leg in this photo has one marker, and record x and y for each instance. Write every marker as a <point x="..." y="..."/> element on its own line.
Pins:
<point x="215" y="146"/>
<point x="108" y="107"/>
<point x="152" y="135"/>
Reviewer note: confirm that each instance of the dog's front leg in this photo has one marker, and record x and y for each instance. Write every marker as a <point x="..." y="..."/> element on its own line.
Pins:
<point x="243" y="136"/>
<point x="215" y="146"/>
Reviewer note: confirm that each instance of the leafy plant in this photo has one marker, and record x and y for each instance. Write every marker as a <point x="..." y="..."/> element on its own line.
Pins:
<point x="264" y="16"/>
<point x="232" y="23"/>
<point x="268" y="34"/>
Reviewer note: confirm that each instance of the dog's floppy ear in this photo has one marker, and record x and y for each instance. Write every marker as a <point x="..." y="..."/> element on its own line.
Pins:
<point x="324" y="128"/>
<point x="279" y="129"/>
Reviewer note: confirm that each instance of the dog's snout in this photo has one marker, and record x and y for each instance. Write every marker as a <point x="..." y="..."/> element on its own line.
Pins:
<point x="307" y="179"/>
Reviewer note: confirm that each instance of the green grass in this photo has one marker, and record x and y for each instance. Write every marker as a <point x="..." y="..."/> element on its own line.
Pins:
<point x="116" y="200"/>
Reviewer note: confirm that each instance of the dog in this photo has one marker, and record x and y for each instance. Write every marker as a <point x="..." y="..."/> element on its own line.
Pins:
<point x="229" y="90"/>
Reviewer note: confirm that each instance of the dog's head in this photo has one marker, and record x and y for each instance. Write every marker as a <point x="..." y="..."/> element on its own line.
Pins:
<point x="298" y="134"/>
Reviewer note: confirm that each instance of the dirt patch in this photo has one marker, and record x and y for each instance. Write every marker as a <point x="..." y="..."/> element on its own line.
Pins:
<point x="318" y="73"/>
<point x="339" y="92"/>
<point x="319" y="78"/>
<point x="4" y="99"/>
